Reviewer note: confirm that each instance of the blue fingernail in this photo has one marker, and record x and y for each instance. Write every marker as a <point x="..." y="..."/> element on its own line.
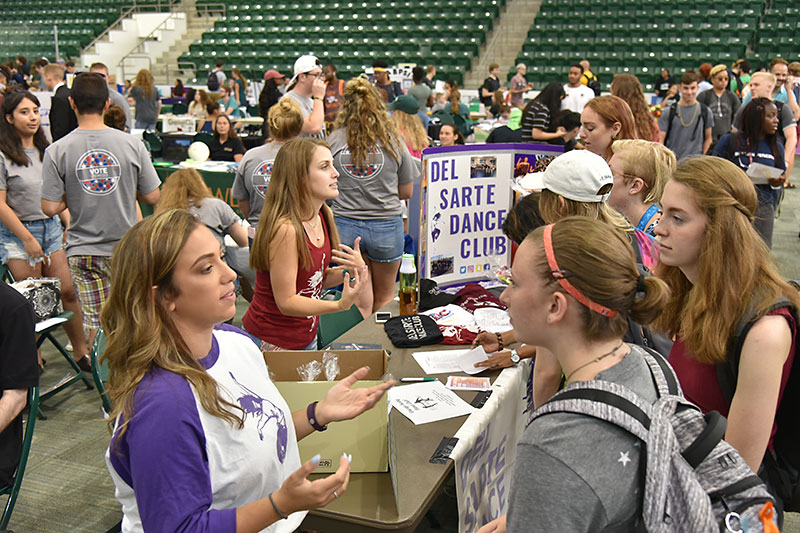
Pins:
<point x="316" y="459"/>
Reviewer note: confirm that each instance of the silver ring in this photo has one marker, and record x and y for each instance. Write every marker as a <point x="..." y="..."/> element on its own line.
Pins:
<point x="335" y="495"/>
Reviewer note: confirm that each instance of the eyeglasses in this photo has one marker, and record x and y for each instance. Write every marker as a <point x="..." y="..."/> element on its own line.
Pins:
<point x="317" y="75"/>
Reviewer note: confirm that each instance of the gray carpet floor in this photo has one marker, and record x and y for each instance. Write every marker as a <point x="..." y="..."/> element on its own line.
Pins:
<point x="67" y="486"/>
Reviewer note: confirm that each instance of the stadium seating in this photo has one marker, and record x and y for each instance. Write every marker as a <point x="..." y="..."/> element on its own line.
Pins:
<point x="256" y="37"/>
<point x="26" y="27"/>
<point x="641" y="37"/>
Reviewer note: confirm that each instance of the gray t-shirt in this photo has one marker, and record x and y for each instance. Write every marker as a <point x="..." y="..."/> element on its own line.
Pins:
<point x="306" y="108"/>
<point x="685" y="140"/>
<point x="370" y="192"/>
<point x="577" y="473"/>
<point x="421" y="93"/>
<point x="146" y="108"/>
<point x="252" y="178"/>
<point x="23" y="186"/>
<point x="98" y="173"/>
<point x="724" y="108"/>
<point x="216" y="215"/>
<point x="121" y="101"/>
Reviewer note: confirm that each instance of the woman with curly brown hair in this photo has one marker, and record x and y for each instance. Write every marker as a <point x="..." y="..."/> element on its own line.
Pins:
<point x="376" y="171"/>
<point x="628" y="87"/>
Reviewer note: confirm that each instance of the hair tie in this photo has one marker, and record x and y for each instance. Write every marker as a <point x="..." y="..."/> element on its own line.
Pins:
<point x="561" y="278"/>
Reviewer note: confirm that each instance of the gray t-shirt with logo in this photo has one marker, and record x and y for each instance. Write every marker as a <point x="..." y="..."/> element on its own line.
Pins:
<point x="370" y="191"/>
<point x="98" y="173"/>
<point x="23" y="186"/>
<point x="252" y="178"/>
<point x="216" y="215"/>
<point x="306" y="108"/>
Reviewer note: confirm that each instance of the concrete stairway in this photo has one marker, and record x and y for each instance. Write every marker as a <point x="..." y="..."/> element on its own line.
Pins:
<point x="504" y="42"/>
<point x="165" y="67"/>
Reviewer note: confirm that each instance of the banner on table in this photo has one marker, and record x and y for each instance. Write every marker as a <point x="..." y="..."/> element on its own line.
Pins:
<point x="487" y="448"/>
<point x="464" y="198"/>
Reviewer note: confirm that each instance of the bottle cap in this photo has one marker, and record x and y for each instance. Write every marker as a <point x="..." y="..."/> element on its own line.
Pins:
<point x="407" y="266"/>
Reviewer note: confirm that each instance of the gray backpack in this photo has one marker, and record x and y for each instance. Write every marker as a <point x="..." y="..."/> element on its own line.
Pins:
<point x="693" y="480"/>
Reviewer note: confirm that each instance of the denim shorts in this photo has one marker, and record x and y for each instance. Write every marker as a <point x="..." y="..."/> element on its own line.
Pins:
<point x="381" y="238"/>
<point x="48" y="232"/>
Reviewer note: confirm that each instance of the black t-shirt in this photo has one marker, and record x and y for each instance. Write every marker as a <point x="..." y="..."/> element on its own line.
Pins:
<point x="491" y="85"/>
<point x="19" y="368"/>
<point x="226" y="151"/>
<point x="661" y="86"/>
<point x="504" y="134"/>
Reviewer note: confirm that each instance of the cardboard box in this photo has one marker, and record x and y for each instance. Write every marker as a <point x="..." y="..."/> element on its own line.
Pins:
<point x="366" y="437"/>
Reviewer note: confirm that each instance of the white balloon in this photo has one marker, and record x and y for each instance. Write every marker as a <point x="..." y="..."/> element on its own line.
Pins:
<point x="198" y="151"/>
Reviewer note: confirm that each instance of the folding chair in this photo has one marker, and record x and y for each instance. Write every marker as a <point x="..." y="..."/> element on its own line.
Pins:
<point x="334" y="325"/>
<point x="12" y="490"/>
<point x="100" y="370"/>
<point x="44" y="331"/>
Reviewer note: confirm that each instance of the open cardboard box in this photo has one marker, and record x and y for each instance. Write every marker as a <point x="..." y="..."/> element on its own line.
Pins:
<point x="366" y="437"/>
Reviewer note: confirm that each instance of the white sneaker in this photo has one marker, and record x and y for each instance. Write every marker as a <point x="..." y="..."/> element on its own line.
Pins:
<point x="68" y="347"/>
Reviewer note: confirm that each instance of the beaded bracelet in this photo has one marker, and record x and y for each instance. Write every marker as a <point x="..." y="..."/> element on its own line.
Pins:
<point x="499" y="341"/>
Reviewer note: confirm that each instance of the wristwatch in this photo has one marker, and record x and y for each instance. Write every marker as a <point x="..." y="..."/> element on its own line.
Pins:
<point x="514" y="356"/>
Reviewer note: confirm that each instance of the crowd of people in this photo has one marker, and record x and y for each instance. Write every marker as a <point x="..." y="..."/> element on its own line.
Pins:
<point x="636" y="222"/>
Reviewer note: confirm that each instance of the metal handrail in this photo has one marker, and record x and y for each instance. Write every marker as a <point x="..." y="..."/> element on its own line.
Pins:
<point x="136" y="56"/>
<point x="125" y="12"/>
<point x="178" y="68"/>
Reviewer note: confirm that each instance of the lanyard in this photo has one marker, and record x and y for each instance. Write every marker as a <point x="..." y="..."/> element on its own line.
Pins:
<point x="647" y="217"/>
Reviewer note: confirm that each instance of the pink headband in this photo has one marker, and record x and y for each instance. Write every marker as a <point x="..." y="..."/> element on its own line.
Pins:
<point x="562" y="280"/>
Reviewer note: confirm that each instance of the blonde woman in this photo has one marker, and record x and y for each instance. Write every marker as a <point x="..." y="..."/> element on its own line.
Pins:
<point x="376" y="172"/>
<point x="640" y="169"/>
<point x="148" y="101"/>
<point x="203" y="441"/>
<point x="404" y="112"/>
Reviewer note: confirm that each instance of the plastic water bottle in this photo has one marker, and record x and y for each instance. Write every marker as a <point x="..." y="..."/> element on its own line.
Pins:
<point x="408" y="286"/>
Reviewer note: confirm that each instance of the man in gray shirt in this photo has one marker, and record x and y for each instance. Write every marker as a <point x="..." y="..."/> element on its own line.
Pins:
<point x="687" y="130"/>
<point x="97" y="173"/>
<point x="307" y="87"/>
<point x="115" y="97"/>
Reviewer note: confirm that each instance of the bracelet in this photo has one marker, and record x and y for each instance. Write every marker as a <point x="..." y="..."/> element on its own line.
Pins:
<point x="499" y="341"/>
<point x="311" y="413"/>
<point x="317" y="98"/>
<point x="276" y="507"/>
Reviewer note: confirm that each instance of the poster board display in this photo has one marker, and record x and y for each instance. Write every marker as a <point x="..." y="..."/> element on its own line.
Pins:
<point x="465" y="195"/>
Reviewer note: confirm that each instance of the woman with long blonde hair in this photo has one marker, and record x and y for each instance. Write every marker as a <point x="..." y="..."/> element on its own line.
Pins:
<point x="641" y="169"/>
<point x="628" y="87"/>
<point x="404" y="113"/>
<point x="148" y="101"/>
<point x="721" y="278"/>
<point x="295" y="241"/>
<point x="376" y="171"/>
<point x="185" y="189"/>
<point x="202" y="439"/>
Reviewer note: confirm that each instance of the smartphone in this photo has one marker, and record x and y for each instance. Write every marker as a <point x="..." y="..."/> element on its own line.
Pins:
<point x="382" y="316"/>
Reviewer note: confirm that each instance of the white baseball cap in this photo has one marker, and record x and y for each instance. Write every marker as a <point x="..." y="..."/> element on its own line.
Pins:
<point x="302" y="65"/>
<point x="576" y="175"/>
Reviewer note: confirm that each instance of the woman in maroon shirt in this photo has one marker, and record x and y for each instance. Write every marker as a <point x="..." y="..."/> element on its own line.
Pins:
<point x="291" y="254"/>
<point x="720" y="272"/>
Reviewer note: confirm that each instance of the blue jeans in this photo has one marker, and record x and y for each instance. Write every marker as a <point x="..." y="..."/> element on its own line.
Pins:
<point x="144" y="125"/>
<point x="47" y="232"/>
<point x="381" y="238"/>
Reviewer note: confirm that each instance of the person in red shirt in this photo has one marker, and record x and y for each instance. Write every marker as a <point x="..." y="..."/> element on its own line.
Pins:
<point x="295" y="241"/>
<point x="720" y="272"/>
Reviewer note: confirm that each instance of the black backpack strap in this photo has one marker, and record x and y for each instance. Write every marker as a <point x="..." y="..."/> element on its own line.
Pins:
<point x="672" y="112"/>
<point x="728" y="371"/>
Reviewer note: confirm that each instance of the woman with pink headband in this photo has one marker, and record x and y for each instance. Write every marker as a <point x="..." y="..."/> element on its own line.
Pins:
<point x="575" y="282"/>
